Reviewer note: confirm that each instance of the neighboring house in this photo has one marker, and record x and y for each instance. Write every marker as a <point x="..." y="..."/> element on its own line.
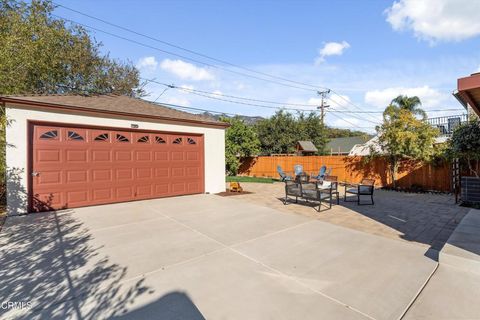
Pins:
<point x="373" y="144"/>
<point x="306" y="148"/>
<point x="365" y="149"/>
<point x="70" y="151"/>
<point x="446" y="125"/>
<point x="468" y="92"/>
<point x="343" y="146"/>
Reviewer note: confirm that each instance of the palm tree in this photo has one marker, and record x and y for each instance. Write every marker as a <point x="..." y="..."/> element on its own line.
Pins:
<point x="412" y="104"/>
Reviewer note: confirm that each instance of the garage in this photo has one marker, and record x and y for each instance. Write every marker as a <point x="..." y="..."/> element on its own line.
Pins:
<point x="75" y="151"/>
<point x="75" y="167"/>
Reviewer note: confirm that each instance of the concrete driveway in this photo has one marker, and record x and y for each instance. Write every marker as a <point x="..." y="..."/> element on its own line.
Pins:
<point x="201" y="257"/>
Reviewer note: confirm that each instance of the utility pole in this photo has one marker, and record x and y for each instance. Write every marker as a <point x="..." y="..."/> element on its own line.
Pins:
<point x="323" y="105"/>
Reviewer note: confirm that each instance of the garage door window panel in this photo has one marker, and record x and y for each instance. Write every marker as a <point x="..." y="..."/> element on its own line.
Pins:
<point x="74" y="136"/>
<point x="122" y="138"/>
<point x="103" y="137"/>
<point x="49" y="135"/>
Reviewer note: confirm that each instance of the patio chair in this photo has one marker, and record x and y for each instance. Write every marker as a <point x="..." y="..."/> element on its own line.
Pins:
<point x="311" y="192"/>
<point x="298" y="168"/>
<point x="283" y="176"/>
<point x="293" y="189"/>
<point x="307" y="191"/>
<point x="322" y="173"/>
<point x="365" y="188"/>
<point x="334" y="182"/>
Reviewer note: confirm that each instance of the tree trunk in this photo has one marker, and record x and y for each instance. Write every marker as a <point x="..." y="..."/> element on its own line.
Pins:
<point x="393" y="171"/>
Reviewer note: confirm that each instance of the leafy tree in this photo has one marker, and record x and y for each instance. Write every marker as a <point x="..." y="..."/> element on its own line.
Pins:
<point x="42" y="54"/>
<point x="280" y="133"/>
<point x="241" y="141"/>
<point x="342" y="133"/>
<point x="310" y="128"/>
<point x="411" y="104"/>
<point x="404" y="137"/>
<point x="465" y="144"/>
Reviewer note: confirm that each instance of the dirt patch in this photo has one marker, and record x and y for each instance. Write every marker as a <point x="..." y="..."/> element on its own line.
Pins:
<point x="228" y="193"/>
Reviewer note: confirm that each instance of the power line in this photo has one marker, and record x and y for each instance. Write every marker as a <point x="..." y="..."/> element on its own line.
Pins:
<point x="201" y="62"/>
<point x="199" y="54"/>
<point x="241" y="115"/>
<point x="179" y="55"/>
<point x="230" y="96"/>
<point x="347" y="121"/>
<point x="381" y="112"/>
<point x="188" y="50"/>
<point x="208" y="95"/>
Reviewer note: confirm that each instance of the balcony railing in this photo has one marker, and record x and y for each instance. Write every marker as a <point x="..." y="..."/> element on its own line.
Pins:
<point x="447" y="124"/>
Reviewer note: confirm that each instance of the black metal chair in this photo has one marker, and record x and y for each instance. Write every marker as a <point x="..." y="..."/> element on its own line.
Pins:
<point x="365" y="188"/>
<point x="308" y="191"/>
<point x="334" y="181"/>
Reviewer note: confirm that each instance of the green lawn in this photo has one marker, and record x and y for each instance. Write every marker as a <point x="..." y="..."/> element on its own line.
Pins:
<point x="249" y="179"/>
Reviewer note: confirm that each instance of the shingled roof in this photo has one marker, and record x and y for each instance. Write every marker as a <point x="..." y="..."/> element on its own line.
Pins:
<point x="307" y="146"/>
<point x="112" y="104"/>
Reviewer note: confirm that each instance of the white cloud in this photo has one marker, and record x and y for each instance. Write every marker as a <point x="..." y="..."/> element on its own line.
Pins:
<point x="436" y="20"/>
<point x="185" y="70"/>
<point x="331" y="49"/>
<point x="429" y="97"/>
<point x="147" y="64"/>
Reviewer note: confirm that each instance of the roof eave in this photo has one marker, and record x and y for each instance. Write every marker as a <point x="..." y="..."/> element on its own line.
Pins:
<point x="6" y="100"/>
<point x="467" y="89"/>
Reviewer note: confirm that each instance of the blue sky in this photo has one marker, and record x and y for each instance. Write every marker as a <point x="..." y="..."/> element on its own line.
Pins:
<point x="366" y="51"/>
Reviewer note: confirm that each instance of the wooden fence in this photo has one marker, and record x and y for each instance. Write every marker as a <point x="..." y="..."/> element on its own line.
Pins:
<point x="354" y="169"/>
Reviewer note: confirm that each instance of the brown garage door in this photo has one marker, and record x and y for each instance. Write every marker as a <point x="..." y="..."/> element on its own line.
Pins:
<point x="75" y="166"/>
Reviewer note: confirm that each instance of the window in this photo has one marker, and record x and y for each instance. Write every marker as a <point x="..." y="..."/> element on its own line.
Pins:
<point x="72" y="135"/>
<point x="144" y="139"/>
<point x="102" y="137"/>
<point x="49" y="135"/>
<point x="122" y="138"/>
<point x="177" y="141"/>
<point x="159" y="140"/>
<point x="191" y="141"/>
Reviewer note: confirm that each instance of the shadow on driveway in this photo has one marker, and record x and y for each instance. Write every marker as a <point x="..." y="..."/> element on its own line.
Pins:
<point x="39" y="256"/>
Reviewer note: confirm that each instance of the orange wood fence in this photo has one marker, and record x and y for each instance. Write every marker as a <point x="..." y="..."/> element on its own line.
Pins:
<point x="354" y="169"/>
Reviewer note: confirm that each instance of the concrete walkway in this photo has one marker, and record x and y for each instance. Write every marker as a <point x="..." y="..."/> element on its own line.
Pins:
<point x="202" y="257"/>
<point x="453" y="291"/>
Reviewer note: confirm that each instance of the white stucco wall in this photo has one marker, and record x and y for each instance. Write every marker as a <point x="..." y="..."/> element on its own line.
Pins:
<point x="16" y="157"/>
